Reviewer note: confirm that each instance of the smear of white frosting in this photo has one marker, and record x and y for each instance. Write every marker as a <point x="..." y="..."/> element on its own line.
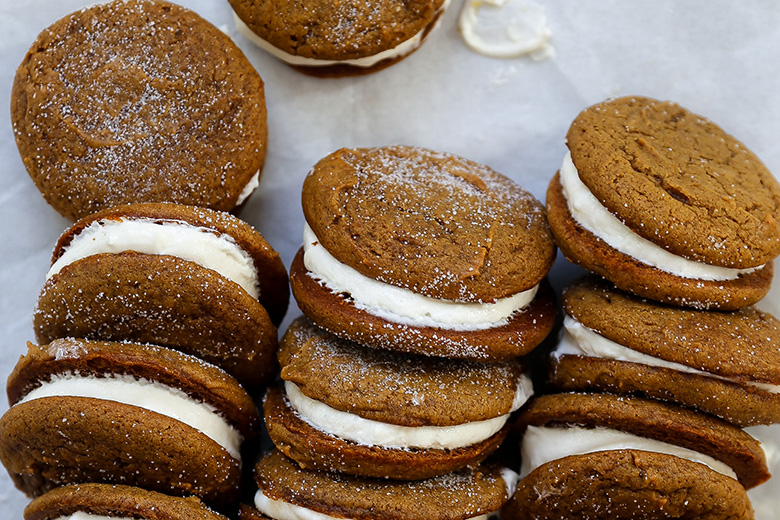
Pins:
<point x="399" y="50"/>
<point x="593" y="216"/>
<point x="401" y="305"/>
<point x="218" y="252"/>
<point x="368" y="432"/>
<point x="506" y="28"/>
<point x="253" y="183"/>
<point x="543" y="444"/>
<point x="149" y="395"/>
<point x="580" y="340"/>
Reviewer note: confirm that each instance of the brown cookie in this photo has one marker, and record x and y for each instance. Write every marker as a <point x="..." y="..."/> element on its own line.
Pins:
<point x="582" y="247"/>
<point x="397" y="416"/>
<point x="654" y="420"/>
<point x="116" y="500"/>
<point x="460" y="495"/>
<point x="126" y="414"/>
<point x="333" y="40"/>
<point x="725" y="364"/>
<point x="627" y="485"/>
<point x="163" y="300"/>
<point x="454" y="239"/>
<point x="267" y="280"/>
<point x="87" y="102"/>
<point x="676" y="185"/>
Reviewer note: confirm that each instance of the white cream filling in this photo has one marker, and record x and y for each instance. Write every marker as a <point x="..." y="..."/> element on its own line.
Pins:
<point x="579" y="340"/>
<point x="593" y="216"/>
<point x="368" y="432"/>
<point x="253" y="183"/>
<point x="401" y="305"/>
<point x="149" y="395"/>
<point x="543" y="444"/>
<point x="280" y="510"/>
<point x="506" y="28"/>
<point x="401" y="49"/>
<point x="218" y="252"/>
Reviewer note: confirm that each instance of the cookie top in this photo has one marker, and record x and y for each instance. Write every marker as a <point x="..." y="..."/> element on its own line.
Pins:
<point x="461" y="495"/>
<point x="626" y="485"/>
<point x="117" y="500"/>
<point x="163" y="300"/>
<point x="739" y="345"/>
<point x="202" y="381"/>
<point x="653" y="420"/>
<point x="265" y="278"/>
<point x="434" y="223"/>
<point x="336" y="31"/>
<point x="660" y="168"/>
<point x="87" y="102"/>
<point x="391" y="387"/>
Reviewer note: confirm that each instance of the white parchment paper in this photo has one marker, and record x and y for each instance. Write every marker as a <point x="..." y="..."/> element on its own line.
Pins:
<point x="718" y="58"/>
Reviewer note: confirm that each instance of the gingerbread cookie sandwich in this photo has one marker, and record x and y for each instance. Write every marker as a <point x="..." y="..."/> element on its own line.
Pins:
<point x="666" y="205"/>
<point x="138" y="101"/>
<point x="593" y="456"/>
<point x="338" y="39"/>
<point x="725" y="364"/>
<point x="424" y="252"/>
<point x="88" y="501"/>
<point x="194" y="279"/>
<point x="124" y="413"/>
<point x="344" y="407"/>
<point x="286" y="491"/>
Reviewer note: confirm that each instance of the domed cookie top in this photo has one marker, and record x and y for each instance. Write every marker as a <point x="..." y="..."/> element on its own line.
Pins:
<point x="726" y="364"/>
<point x="138" y="101"/>
<point x="666" y="205"/>
<point x="434" y="223"/>
<point x="338" y="38"/>
<point x="678" y="180"/>
<point x="116" y="501"/>
<point x="425" y="252"/>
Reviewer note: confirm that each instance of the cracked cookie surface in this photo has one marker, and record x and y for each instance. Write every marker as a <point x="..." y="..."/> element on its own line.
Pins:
<point x="678" y="180"/>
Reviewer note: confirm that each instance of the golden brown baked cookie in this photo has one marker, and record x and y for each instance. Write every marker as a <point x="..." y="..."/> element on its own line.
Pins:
<point x="338" y="39"/>
<point x="459" y="495"/>
<point x="627" y="485"/>
<point x="138" y="101"/>
<point x="425" y="252"/>
<point x="116" y="500"/>
<point x="163" y="300"/>
<point x="348" y="408"/>
<point x="649" y="419"/>
<point x="163" y="227"/>
<point x="666" y="205"/>
<point x="124" y="413"/>
<point x="726" y="364"/>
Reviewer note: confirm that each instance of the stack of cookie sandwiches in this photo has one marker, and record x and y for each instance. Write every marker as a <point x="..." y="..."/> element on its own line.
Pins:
<point x="664" y="359"/>
<point x="422" y="282"/>
<point x="334" y="39"/>
<point x="155" y="323"/>
<point x="159" y="315"/>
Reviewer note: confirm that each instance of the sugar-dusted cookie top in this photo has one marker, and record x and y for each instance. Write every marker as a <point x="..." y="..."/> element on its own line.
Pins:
<point x="678" y="180"/>
<point x="437" y="224"/>
<point x="138" y="101"/>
